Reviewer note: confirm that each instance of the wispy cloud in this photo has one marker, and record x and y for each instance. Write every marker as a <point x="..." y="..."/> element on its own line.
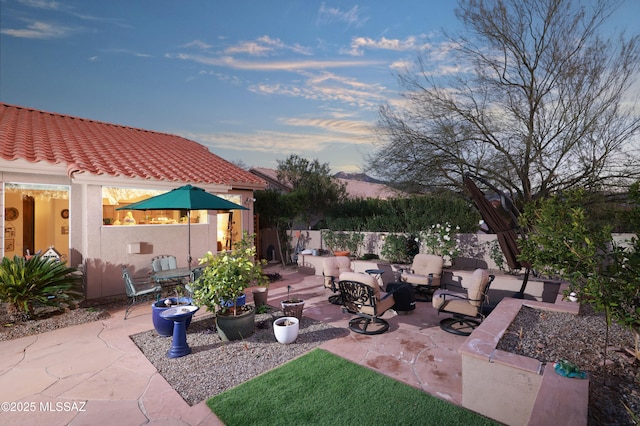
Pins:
<point x="262" y="141"/>
<point x="51" y="5"/>
<point x="328" y="87"/>
<point x="291" y="65"/>
<point x="41" y="4"/>
<point x="320" y="135"/>
<point x="265" y="46"/>
<point x="233" y="79"/>
<point x="127" y="52"/>
<point x="307" y="134"/>
<point x="360" y="130"/>
<point x="359" y="44"/>
<point x="401" y="64"/>
<point x="197" y="44"/>
<point x="39" y="30"/>
<point x="329" y="15"/>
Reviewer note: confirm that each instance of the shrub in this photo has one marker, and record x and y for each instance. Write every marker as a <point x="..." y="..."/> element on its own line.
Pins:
<point x="27" y="283"/>
<point x="338" y="240"/>
<point x="441" y="240"/>
<point x="227" y="274"/>
<point x="399" y="248"/>
<point x="565" y="241"/>
<point x="411" y="214"/>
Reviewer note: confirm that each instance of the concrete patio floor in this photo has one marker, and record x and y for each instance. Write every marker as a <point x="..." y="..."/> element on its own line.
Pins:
<point x="94" y="374"/>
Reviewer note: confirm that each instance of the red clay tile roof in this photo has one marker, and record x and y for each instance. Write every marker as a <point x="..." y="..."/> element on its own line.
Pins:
<point x="110" y="149"/>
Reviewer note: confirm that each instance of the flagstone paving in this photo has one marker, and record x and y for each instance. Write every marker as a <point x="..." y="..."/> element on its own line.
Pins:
<point x="94" y="374"/>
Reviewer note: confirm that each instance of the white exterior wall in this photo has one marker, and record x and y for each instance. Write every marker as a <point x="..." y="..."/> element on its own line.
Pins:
<point x="102" y="250"/>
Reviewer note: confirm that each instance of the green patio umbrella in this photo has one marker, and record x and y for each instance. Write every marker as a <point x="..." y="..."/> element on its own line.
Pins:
<point x="187" y="198"/>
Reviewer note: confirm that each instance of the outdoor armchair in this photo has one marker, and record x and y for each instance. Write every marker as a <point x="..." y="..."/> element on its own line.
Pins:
<point x="361" y="295"/>
<point x="138" y="289"/>
<point x="332" y="267"/>
<point x="425" y="275"/>
<point x="466" y="308"/>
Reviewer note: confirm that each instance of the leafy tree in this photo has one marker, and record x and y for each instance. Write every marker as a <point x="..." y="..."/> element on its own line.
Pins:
<point x="538" y="104"/>
<point x="313" y="191"/>
<point x="564" y="242"/>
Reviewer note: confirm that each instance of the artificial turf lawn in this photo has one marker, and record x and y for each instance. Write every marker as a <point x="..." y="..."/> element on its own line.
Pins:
<point x="323" y="389"/>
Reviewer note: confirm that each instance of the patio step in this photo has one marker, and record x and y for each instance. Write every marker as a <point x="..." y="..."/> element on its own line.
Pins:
<point x="560" y="400"/>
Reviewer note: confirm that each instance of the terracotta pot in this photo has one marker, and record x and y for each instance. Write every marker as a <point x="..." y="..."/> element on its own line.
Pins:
<point x="260" y="296"/>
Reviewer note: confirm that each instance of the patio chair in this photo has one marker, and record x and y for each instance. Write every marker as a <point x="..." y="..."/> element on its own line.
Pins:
<point x="191" y="286"/>
<point x="467" y="309"/>
<point x="425" y="275"/>
<point x="361" y="295"/>
<point x="165" y="262"/>
<point x="332" y="267"/>
<point x="138" y="288"/>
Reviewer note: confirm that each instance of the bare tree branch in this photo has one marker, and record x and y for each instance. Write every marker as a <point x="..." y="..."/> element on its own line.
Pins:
<point x="540" y="103"/>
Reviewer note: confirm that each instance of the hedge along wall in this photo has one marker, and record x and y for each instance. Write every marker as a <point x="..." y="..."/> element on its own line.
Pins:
<point x="475" y="248"/>
<point x="402" y="214"/>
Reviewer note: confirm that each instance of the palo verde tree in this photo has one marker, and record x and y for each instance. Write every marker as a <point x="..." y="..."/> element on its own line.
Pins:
<point x="540" y="102"/>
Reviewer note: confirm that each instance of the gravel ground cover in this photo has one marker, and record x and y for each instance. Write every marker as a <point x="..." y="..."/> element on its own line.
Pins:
<point x="48" y="319"/>
<point x="215" y="366"/>
<point x="552" y="336"/>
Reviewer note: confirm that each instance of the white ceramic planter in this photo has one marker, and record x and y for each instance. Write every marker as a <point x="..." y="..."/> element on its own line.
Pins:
<point x="286" y="333"/>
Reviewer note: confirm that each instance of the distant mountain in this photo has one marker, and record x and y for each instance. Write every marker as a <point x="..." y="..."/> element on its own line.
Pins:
<point x="362" y="177"/>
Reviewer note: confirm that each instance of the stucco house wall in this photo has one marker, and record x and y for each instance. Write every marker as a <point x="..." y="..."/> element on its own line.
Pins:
<point x="30" y="140"/>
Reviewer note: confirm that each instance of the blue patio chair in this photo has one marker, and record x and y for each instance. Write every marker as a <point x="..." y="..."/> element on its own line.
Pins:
<point x="138" y="289"/>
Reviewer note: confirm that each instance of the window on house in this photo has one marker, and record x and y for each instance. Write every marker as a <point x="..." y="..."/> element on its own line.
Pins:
<point x="115" y="197"/>
<point x="36" y="218"/>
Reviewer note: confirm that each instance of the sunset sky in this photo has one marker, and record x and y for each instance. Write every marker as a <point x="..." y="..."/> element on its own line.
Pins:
<point x="255" y="81"/>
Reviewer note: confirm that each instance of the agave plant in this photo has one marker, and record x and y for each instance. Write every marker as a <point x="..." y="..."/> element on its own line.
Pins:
<point x="25" y="284"/>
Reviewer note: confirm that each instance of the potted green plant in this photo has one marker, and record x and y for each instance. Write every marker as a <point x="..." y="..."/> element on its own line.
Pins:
<point x="292" y="306"/>
<point x="225" y="277"/>
<point x="342" y="243"/>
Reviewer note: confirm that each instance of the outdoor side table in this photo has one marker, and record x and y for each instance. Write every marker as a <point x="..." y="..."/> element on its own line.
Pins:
<point x="377" y="274"/>
<point x="179" y="316"/>
<point x="404" y="295"/>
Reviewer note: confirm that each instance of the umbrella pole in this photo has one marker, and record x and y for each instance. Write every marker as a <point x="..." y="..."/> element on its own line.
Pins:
<point x="189" y="238"/>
